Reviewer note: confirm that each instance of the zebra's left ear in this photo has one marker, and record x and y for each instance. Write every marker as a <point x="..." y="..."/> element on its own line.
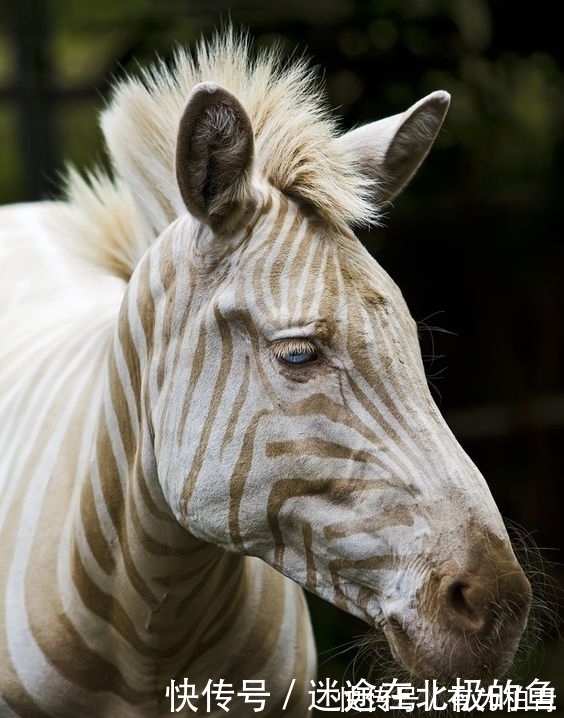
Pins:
<point x="214" y="157"/>
<point x="390" y="151"/>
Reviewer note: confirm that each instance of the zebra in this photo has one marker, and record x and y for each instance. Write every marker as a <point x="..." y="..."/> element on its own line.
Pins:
<point x="212" y="397"/>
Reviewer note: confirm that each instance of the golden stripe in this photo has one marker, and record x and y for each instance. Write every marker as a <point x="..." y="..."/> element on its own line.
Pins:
<point x="389" y="516"/>
<point x="167" y="273"/>
<point x="93" y="530"/>
<point x="215" y="405"/>
<point x="238" y="403"/>
<point x="313" y="446"/>
<point x="264" y="635"/>
<point x="105" y="606"/>
<point x="198" y="360"/>
<point x="239" y="478"/>
<point x="338" y="490"/>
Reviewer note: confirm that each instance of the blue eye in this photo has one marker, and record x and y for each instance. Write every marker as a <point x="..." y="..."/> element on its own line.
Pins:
<point x="295" y="351"/>
<point x="298" y="357"/>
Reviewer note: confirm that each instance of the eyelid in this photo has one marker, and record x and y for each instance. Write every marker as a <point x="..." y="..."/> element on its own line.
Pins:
<point x="303" y="332"/>
<point x="294" y="345"/>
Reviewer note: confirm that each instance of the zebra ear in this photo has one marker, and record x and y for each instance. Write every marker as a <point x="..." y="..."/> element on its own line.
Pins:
<point x="214" y="157"/>
<point x="390" y="151"/>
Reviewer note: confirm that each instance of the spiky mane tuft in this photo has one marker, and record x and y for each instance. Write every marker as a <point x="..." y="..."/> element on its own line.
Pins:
<point x="293" y="146"/>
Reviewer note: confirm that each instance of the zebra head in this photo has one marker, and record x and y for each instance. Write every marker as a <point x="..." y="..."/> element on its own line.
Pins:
<point x="291" y="415"/>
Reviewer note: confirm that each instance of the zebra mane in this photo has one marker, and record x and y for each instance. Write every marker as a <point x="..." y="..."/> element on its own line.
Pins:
<point x="294" y="149"/>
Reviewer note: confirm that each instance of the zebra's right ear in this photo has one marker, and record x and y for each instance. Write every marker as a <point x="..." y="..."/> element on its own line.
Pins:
<point x="214" y="157"/>
<point x="390" y="151"/>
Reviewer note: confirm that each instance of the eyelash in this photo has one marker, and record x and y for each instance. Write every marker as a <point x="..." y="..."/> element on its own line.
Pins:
<point x="295" y="352"/>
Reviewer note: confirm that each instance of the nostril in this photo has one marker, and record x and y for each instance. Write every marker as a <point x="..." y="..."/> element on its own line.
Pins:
<point x="466" y="605"/>
<point x="457" y="597"/>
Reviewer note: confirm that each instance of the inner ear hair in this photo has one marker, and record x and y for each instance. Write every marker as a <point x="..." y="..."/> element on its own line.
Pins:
<point x="214" y="156"/>
<point x="227" y="154"/>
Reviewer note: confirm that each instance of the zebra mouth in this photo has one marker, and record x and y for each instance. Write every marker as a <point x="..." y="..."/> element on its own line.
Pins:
<point x="420" y="661"/>
<point x="402" y="647"/>
<point x="442" y="660"/>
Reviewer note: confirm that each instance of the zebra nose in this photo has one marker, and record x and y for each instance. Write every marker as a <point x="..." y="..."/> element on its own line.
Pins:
<point x="478" y="601"/>
<point x="465" y="603"/>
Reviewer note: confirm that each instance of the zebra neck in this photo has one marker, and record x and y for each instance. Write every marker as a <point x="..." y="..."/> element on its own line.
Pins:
<point x="153" y="597"/>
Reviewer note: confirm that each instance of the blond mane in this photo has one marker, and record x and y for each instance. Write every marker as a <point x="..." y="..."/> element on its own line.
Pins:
<point x="117" y="219"/>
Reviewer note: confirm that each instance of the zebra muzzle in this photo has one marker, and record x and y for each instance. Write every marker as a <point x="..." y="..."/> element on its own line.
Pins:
<point x="468" y="623"/>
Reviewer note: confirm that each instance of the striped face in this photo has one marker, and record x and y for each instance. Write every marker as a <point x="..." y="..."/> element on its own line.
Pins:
<point x="293" y="422"/>
<point x="291" y="415"/>
<point x="284" y="387"/>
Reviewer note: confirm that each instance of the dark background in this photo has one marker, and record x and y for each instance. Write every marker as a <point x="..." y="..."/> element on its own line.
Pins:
<point x="475" y="242"/>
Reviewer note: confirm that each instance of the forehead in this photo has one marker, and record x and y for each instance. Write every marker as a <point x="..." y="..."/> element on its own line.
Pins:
<point x="294" y="255"/>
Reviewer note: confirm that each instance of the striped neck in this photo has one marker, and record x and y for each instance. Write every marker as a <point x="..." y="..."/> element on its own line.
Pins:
<point x="156" y="597"/>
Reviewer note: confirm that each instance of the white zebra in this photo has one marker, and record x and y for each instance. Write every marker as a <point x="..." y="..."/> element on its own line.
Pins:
<point x="207" y="388"/>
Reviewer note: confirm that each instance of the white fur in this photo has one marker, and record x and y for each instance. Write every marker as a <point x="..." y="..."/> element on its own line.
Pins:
<point x="294" y="149"/>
